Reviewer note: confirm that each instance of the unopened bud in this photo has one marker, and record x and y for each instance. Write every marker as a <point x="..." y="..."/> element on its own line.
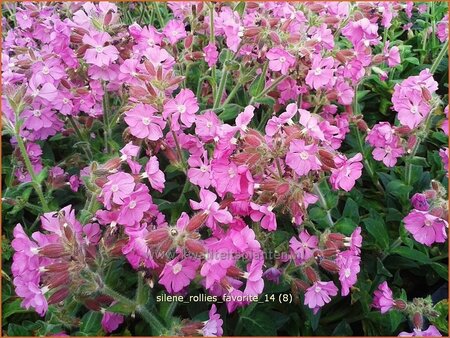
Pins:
<point x="418" y="320"/>
<point x="196" y="221"/>
<point x="378" y="59"/>
<point x="400" y="304"/>
<point x="188" y="41"/>
<point x="157" y="236"/>
<point x="329" y="265"/>
<point x="58" y="296"/>
<point x="53" y="251"/>
<point x="311" y="274"/>
<point x="196" y="247"/>
<point x="252" y="31"/>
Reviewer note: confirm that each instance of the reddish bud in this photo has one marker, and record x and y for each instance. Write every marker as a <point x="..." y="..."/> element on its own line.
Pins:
<point x="329" y="265"/>
<point x="196" y="221"/>
<point x="188" y="41"/>
<point x="300" y="285"/>
<point x="196" y="247"/>
<point x="327" y="158"/>
<point x="58" y="296"/>
<point x="192" y="329"/>
<point x="330" y="252"/>
<point x="108" y="18"/>
<point x="53" y="251"/>
<point x="362" y="125"/>
<point x="340" y="56"/>
<point x="400" y="304"/>
<point x="252" y="31"/>
<point x="92" y="304"/>
<point x="412" y="140"/>
<point x="426" y="94"/>
<point x="58" y="280"/>
<point x="417" y="320"/>
<point x="311" y="274"/>
<point x="275" y="38"/>
<point x="234" y="272"/>
<point x="336" y="237"/>
<point x="331" y="20"/>
<point x="378" y="59"/>
<point x="157" y="236"/>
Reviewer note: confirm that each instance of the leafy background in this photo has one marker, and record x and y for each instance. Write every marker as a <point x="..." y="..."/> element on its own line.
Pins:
<point x="389" y="253"/>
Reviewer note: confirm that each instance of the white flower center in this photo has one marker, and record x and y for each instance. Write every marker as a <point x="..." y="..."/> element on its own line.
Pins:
<point x="282" y="59"/>
<point x="317" y="289"/>
<point x="388" y="149"/>
<point x="181" y="108"/>
<point x="45" y="70"/>
<point x="317" y="71"/>
<point x="304" y="155"/>
<point x="132" y="205"/>
<point x="177" y="268"/>
<point x="37" y="113"/>
<point x="65" y="100"/>
<point x="146" y="121"/>
<point x="203" y="168"/>
<point x="99" y="49"/>
<point x="114" y="188"/>
<point x="231" y="173"/>
<point x="414" y="109"/>
<point x="347" y="272"/>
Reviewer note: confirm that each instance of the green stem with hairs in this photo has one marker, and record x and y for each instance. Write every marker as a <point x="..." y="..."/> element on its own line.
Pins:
<point x="145" y="314"/>
<point x="323" y="203"/>
<point x="86" y="148"/>
<point x="269" y="89"/>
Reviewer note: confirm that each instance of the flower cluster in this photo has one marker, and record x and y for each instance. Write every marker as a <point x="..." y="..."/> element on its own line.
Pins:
<point x="193" y="181"/>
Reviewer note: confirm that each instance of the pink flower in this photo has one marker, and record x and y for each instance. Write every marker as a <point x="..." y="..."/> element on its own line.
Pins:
<point x="211" y="54"/>
<point x="213" y="326"/>
<point x="443" y="153"/>
<point x="419" y="202"/>
<point x="255" y="282"/>
<point x="134" y="206"/>
<point x="183" y="107"/>
<point x="383" y="299"/>
<point x="412" y="109"/>
<point x="199" y="171"/>
<point x="280" y="60"/>
<point x="244" y="240"/>
<point x="347" y="172"/>
<point x="265" y="215"/>
<point x="381" y="135"/>
<point x="177" y="274"/>
<point x="432" y="331"/>
<point x="361" y="30"/>
<point x="426" y="228"/>
<point x="225" y="177"/>
<point x="211" y="208"/>
<point x="311" y="124"/>
<point x="349" y="269"/>
<point x="129" y="151"/>
<point x="111" y="321"/>
<point x="321" y="72"/>
<point x="154" y="174"/>
<point x="174" y="31"/>
<point x="207" y="126"/>
<point x="319" y="294"/>
<point x="389" y="154"/>
<point x="442" y="29"/>
<point x="302" y="158"/>
<point x="275" y="123"/>
<point x="392" y="56"/>
<point x="344" y="92"/>
<point x="304" y="248"/>
<point x="118" y="187"/>
<point x="100" y="55"/>
<point x="244" y="118"/>
<point x="143" y="123"/>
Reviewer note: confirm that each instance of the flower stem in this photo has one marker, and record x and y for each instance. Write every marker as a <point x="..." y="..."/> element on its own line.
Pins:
<point x="222" y="83"/>
<point x="145" y="314"/>
<point x="86" y="147"/>
<point x="439" y="58"/>
<point x="106" y="125"/>
<point x="323" y="203"/>
<point x="36" y="185"/>
<point x="269" y="89"/>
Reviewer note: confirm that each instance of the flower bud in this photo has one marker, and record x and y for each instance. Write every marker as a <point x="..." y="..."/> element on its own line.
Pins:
<point x="57" y="267"/>
<point x="426" y="94"/>
<point x="327" y="158"/>
<point x="311" y="274"/>
<point x="196" y="247"/>
<point x="234" y="272"/>
<point x="252" y="31"/>
<point x="417" y="320"/>
<point x="329" y="265"/>
<point x="108" y="18"/>
<point x="400" y="304"/>
<point x="336" y="237"/>
<point x="192" y="329"/>
<point x="196" y="222"/>
<point x="157" y="236"/>
<point x="53" y="251"/>
<point x="378" y="59"/>
<point x="330" y="252"/>
<point x="275" y="38"/>
<point x="59" y="279"/>
<point x="331" y="20"/>
<point x="92" y="304"/>
<point x="58" y="296"/>
<point x="188" y="41"/>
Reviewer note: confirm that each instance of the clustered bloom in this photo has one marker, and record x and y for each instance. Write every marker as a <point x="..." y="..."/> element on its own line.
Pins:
<point x="70" y="73"/>
<point x="427" y="222"/>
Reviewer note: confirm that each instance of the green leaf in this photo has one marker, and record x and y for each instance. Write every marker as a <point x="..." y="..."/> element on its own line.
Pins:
<point x="121" y="308"/>
<point x="351" y="210"/>
<point x="441" y="270"/>
<point x="240" y="8"/>
<point x="230" y="111"/>
<point x="345" y="226"/>
<point x="441" y="322"/>
<point x="377" y="229"/>
<point x="265" y="100"/>
<point x="12" y="308"/>
<point x="17" y="330"/>
<point x="91" y="323"/>
<point x="257" y="86"/>
<point x="398" y="189"/>
<point x="259" y="324"/>
<point x="342" y="329"/>
<point x="412" y="254"/>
